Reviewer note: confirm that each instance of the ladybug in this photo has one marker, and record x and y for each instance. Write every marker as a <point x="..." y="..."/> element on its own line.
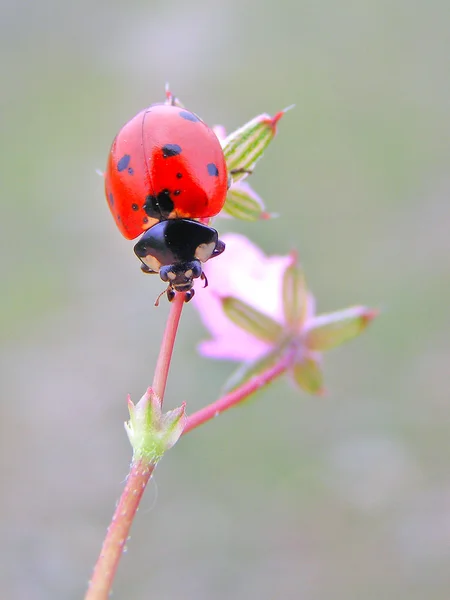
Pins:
<point x="166" y="170"/>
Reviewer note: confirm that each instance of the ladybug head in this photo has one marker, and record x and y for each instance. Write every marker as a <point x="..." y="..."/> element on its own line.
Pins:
<point x="175" y="249"/>
<point x="181" y="275"/>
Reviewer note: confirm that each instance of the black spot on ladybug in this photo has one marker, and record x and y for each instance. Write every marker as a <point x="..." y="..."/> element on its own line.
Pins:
<point x="171" y="150"/>
<point x="118" y="217"/>
<point x="130" y="171"/>
<point x="123" y="162"/>
<point x="151" y="206"/>
<point x="179" y="175"/>
<point x="145" y="220"/>
<point x="189" y="116"/>
<point x="177" y="192"/>
<point x="212" y="170"/>
<point x="135" y="207"/>
<point x="160" y="206"/>
<point x="111" y="199"/>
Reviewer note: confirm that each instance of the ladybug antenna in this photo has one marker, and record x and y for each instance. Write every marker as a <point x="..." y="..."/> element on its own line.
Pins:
<point x="162" y="294"/>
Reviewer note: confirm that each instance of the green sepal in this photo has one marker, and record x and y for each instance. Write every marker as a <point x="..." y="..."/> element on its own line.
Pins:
<point x="150" y="431"/>
<point x="333" y="329"/>
<point x="295" y="297"/>
<point x="307" y="374"/>
<point x="251" y="320"/>
<point x="245" y="146"/>
<point x="243" y="203"/>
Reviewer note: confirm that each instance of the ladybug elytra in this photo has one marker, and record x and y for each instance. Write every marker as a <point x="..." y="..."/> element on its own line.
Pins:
<point x="165" y="170"/>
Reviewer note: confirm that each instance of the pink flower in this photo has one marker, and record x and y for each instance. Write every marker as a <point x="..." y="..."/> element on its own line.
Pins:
<point x="242" y="271"/>
<point x="258" y="309"/>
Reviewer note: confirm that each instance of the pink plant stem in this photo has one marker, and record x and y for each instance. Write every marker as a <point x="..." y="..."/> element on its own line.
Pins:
<point x="118" y="531"/>
<point x="138" y="477"/>
<point x="237" y="395"/>
<point x="166" y="350"/>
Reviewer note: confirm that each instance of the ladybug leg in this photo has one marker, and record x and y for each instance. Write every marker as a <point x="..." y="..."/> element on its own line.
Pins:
<point x="240" y="172"/>
<point x="237" y="172"/>
<point x="166" y="291"/>
<point x="205" y="279"/>
<point x="220" y="247"/>
<point x="189" y="295"/>
<point x="147" y="270"/>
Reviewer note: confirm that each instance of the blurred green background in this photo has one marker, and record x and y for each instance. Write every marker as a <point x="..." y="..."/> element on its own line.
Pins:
<point x="344" y="497"/>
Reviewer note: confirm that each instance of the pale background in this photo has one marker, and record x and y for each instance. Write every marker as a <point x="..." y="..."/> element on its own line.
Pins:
<point x="291" y="497"/>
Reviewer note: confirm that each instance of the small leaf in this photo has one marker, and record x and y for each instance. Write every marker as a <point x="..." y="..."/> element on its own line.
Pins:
<point x="308" y="376"/>
<point x="333" y="329"/>
<point x="251" y="320"/>
<point x="295" y="297"/>
<point x="245" y="146"/>
<point x="247" y="371"/>
<point x="244" y="203"/>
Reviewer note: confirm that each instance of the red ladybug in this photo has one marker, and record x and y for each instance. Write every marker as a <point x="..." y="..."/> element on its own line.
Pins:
<point x="167" y="165"/>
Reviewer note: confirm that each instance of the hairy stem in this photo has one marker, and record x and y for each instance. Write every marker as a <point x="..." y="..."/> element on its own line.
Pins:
<point x="118" y="531"/>
<point x="138" y="477"/>
<point x="236" y="396"/>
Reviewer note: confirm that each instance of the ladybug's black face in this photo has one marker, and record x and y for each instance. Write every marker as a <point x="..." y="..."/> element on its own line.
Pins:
<point x="181" y="275"/>
<point x="175" y="249"/>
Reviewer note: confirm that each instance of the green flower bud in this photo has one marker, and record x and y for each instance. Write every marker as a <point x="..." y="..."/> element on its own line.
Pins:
<point x="150" y="431"/>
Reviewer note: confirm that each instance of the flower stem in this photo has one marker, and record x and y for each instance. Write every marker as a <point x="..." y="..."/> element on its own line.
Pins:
<point x="118" y="531"/>
<point x="236" y="396"/>
<point x="138" y="477"/>
<point x="166" y="350"/>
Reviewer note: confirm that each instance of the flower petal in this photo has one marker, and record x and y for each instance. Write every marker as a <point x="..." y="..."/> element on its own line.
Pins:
<point x="239" y="346"/>
<point x="220" y="131"/>
<point x="333" y="329"/>
<point x="244" y="272"/>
